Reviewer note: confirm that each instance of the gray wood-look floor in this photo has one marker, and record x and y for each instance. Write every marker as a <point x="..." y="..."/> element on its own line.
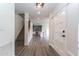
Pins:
<point x="19" y="42"/>
<point x="37" y="47"/>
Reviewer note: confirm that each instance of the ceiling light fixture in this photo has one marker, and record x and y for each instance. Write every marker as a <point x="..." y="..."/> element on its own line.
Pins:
<point x="39" y="5"/>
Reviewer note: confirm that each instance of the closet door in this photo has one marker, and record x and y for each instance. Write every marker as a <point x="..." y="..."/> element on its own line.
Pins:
<point x="60" y="29"/>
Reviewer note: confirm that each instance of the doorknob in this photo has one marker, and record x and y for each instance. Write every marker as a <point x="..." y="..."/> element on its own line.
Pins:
<point x="63" y="31"/>
<point x="63" y="36"/>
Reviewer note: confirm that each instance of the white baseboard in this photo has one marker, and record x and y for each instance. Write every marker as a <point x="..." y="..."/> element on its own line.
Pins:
<point x="61" y="52"/>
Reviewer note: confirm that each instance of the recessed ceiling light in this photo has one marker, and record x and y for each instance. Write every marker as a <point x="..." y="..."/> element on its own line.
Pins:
<point x="38" y="12"/>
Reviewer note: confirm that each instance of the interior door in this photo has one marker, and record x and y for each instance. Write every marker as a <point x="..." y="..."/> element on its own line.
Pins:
<point x="60" y="29"/>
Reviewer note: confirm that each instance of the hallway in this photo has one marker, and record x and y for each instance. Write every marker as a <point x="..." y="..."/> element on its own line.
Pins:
<point x="55" y="24"/>
<point x="37" y="47"/>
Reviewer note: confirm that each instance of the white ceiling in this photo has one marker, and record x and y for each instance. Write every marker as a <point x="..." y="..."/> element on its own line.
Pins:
<point x="30" y="7"/>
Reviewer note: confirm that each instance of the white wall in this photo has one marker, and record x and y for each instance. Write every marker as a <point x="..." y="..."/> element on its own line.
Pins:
<point x="78" y="39"/>
<point x="78" y="35"/>
<point x="30" y="33"/>
<point x="26" y="28"/>
<point x="19" y="22"/>
<point x="72" y="27"/>
<point x="7" y="33"/>
<point x="45" y="29"/>
<point x="68" y="45"/>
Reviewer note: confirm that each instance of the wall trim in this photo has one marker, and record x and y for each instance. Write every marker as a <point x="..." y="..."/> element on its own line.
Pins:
<point x="63" y="52"/>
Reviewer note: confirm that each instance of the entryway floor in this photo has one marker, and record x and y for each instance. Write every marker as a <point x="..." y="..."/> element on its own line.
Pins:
<point x="37" y="47"/>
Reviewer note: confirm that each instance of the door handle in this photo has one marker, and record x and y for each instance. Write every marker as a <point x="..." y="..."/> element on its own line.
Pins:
<point x="63" y="35"/>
